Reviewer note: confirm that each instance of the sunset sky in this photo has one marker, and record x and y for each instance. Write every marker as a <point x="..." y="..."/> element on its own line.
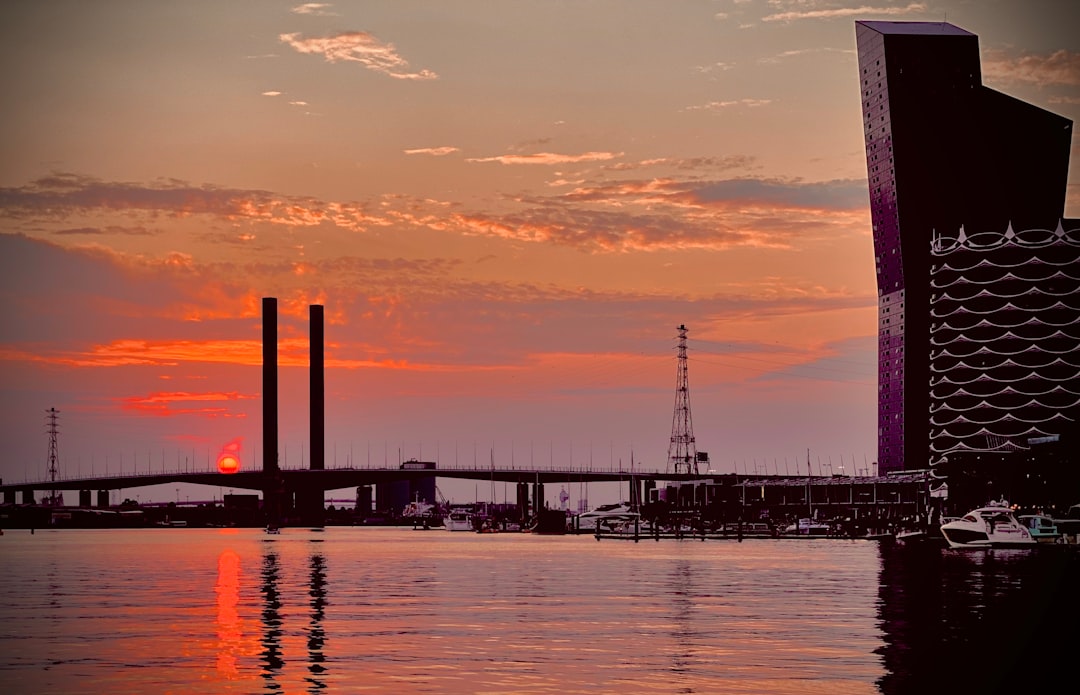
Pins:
<point x="506" y="208"/>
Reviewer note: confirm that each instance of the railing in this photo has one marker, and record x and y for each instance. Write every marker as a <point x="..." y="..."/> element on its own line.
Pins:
<point x="212" y="470"/>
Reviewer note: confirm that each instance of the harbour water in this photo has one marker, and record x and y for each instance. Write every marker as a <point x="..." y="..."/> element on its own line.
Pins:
<point x="392" y="610"/>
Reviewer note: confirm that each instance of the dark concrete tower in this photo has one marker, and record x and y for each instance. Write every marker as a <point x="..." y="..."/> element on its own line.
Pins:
<point x="942" y="152"/>
<point x="317" y="397"/>
<point x="270" y="385"/>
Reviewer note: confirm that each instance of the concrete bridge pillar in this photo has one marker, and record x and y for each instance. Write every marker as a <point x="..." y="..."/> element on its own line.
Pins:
<point x="84" y="498"/>
<point x="523" y="502"/>
<point x="363" y="500"/>
<point x="28" y="497"/>
<point x="9" y="497"/>
<point x="103" y="499"/>
<point x="311" y="507"/>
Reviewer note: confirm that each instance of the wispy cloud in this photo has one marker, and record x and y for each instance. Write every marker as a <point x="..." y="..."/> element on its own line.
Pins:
<point x="298" y="103"/>
<point x="838" y="12"/>
<point x="780" y="57"/>
<point x="434" y="151"/>
<point x="735" y="161"/>
<point x="63" y="194"/>
<point x="667" y="214"/>
<point x="1042" y="70"/>
<point x="721" y="105"/>
<point x="706" y="69"/>
<point x="548" y="158"/>
<point x="358" y="47"/>
<point x="106" y="231"/>
<point x="173" y="403"/>
<point x="319" y="9"/>
<point x="271" y="93"/>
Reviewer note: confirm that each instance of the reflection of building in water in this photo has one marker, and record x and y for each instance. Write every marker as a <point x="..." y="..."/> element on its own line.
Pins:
<point x="976" y="622"/>
<point x="229" y="630"/>
<point x="271" y="617"/>
<point x="316" y="632"/>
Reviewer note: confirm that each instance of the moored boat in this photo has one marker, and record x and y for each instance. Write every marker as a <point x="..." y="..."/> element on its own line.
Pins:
<point x="992" y="526"/>
<point x="1042" y="528"/>
<point x="607" y="517"/>
<point x="807" y="527"/>
<point x="459" y="520"/>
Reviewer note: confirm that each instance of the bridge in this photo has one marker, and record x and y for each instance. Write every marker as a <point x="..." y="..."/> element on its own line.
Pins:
<point x="306" y="479"/>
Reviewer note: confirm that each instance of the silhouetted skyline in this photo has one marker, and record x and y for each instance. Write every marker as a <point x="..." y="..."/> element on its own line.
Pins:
<point x="506" y="211"/>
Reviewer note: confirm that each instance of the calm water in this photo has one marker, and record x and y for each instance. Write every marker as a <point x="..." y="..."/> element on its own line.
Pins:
<point x="380" y="610"/>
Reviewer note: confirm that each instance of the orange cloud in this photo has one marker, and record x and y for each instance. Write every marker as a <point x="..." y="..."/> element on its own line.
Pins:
<point x="434" y="151"/>
<point x="358" y="47"/>
<point x="549" y="158"/>
<point x="163" y="404"/>
<point x="718" y="105"/>
<point x="669" y="214"/>
<point x="61" y="195"/>
<point x="844" y="12"/>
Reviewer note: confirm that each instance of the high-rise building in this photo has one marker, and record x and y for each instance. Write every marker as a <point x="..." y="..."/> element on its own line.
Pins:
<point x="942" y="152"/>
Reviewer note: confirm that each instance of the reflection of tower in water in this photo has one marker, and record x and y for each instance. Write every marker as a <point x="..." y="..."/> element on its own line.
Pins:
<point x="271" y="656"/>
<point x="684" y="635"/>
<point x="316" y="632"/>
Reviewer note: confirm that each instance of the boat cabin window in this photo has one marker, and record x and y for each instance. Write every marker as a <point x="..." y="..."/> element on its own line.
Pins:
<point x="969" y="517"/>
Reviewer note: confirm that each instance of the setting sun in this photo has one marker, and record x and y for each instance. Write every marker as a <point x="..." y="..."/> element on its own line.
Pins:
<point x="228" y="463"/>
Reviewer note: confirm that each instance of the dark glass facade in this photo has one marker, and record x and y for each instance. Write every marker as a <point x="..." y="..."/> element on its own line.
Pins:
<point x="942" y="152"/>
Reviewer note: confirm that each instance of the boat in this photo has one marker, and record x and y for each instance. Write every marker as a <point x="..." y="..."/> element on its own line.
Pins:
<point x="1069" y="525"/>
<point x="754" y="529"/>
<point x="912" y="535"/>
<point x="992" y="526"/>
<point x="607" y="517"/>
<point x="807" y="527"/>
<point x="1042" y="528"/>
<point x="421" y="514"/>
<point x="273" y="528"/>
<point x="459" y="520"/>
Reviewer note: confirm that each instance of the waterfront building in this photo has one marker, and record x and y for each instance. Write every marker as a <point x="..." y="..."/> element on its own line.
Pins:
<point x="942" y="152"/>
<point x="1004" y="352"/>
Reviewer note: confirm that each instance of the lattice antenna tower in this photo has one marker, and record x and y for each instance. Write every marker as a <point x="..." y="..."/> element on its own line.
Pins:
<point x="682" y="453"/>
<point x="52" y="416"/>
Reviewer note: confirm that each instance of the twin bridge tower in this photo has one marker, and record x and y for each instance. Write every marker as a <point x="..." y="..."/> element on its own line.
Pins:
<point x="276" y="500"/>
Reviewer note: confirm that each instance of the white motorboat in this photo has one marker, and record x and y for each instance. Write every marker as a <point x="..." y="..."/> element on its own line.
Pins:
<point x="607" y="516"/>
<point x="459" y="520"/>
<point x="807" y="527"/>
<point x="992" y="526"/>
